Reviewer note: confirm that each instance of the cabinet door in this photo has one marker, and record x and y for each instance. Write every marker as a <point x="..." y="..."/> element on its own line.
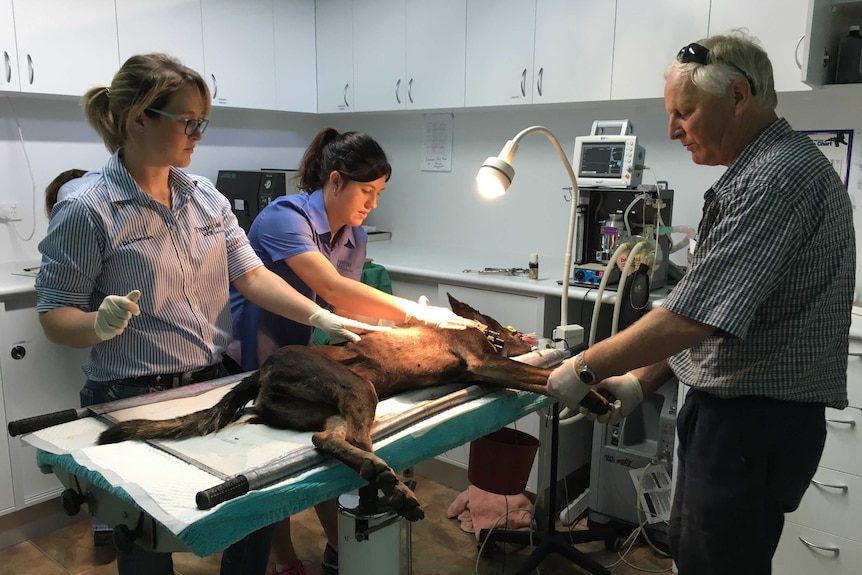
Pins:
<point x="647" y="36"/>
<point x="7" y="494"/>
<point x="239" y="53"/>
<point x="574" y="50"/>
<point x="797" y="555"/>
<point x="500" y="44"/>
<point x="295" y="56"/>
<point x="38" y="377"/>
<point x="378" y="54"/>
<point x="8" y="53"/>
<point x="782" y="40"/>
<point x="436" y="53"/>
<point x="828" y="21"/>
<point x="178" y="23"/>
<point x="79" y="51"/>
<point x="334" y="25"/>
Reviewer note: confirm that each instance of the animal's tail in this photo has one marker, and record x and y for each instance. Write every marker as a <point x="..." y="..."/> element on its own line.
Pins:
<point x="197" y="423"/>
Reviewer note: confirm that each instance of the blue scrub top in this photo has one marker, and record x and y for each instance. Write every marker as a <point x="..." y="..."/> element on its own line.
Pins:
<point x="289" y="226"/>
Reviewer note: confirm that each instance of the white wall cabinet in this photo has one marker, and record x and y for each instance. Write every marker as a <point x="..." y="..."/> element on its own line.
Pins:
<point x="7" y="493"/>
<point x="65" y="47"/>
<point x="574" y="50"/>
<point x="295" y="56"/>
<point x="647" y="36"/>
<point x="8" y="49"/>
<point x="38" y="377"/>
<point x="179" y="25"/>
<point x="500" y="42"/>
<point x="782" y="40"/>
<point x="334" y="26"/>
<point x="827" y="22"/>
<point x="825" y="534"/>
<point x="414" y="59"/>
<point x="239" y="52"/>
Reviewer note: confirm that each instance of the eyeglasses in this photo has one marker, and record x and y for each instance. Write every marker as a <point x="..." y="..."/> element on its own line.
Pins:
<point x="190" y="127"/>
<point x="698" y="54"/>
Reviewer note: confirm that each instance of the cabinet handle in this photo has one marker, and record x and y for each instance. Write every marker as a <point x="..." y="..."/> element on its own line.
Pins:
<point x="796" y="52"/>
<point x="840" y="486"/>
<point x="30" y="68"/>
<point x="397" y="90"/>
<point x="524" y="83"/>
<point x="539" y="82"/>
<point x="346" y="86"/>
<point x="410" y="90"/>
<point x="8" y="67"/>
<point x="850" y="422"/>
<point x="831" y="548"/>
<point x="215" y="86"/>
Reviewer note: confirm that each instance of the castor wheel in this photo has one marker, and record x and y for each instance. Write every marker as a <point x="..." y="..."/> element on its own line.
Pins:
<point x="124" y="538"/>
<point x="72" y="501"/>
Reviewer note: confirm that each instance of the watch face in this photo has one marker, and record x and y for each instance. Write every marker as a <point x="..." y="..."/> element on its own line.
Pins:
<point x="586" y="376"/>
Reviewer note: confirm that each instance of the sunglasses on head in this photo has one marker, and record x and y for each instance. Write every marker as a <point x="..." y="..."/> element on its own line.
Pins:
<point x="698" y="54"/>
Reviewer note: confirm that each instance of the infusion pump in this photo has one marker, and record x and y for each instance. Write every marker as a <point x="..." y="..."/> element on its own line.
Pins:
<point x="609" y="159"/>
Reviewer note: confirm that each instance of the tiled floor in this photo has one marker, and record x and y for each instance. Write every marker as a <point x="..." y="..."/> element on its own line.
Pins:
<point x="439" y="548"/>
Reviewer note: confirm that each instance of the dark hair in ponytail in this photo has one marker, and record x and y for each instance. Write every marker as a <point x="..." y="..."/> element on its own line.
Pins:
<point x="354" y="155"/>
<point x="54" y="187"/>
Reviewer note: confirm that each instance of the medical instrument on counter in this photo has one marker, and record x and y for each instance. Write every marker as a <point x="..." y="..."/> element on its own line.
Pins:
<point x="249" y="192"/>
<point x="499" y="271"/>
<point x="534" y="266"/>
<point x="608" y="159"/>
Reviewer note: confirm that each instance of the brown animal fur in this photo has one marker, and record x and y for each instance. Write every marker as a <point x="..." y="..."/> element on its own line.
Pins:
<point x="334" y="390"/>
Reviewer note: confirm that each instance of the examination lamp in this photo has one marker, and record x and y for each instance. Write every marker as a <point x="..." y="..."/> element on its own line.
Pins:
<point x="497" y="173"/>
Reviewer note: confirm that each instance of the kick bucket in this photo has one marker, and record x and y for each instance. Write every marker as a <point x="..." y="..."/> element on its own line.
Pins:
<point x="500" y="462"/>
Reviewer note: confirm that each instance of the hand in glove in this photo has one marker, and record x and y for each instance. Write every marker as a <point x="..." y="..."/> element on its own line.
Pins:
<point x="627" y="391"/>
<point x="566" y="386"/>
<point x="437" y="317"/>
<point x="335" y="325"/>
<point x="114" y="314"/>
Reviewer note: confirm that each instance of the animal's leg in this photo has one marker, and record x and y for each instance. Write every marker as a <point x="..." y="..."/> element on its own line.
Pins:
<point x="333" y="440"/>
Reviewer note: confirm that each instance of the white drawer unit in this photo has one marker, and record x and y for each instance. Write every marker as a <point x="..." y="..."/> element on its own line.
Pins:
<point x="825" y="534"/>
<point x="806" y="551"/>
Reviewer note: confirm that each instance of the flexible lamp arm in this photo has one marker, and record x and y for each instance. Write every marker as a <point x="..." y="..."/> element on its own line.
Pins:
<point x="509" y="149"/>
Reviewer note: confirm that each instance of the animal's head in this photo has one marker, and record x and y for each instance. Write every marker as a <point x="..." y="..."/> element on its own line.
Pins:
<point x="511" y="342"/>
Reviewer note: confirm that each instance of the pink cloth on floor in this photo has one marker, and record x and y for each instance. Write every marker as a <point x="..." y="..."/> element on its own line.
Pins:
<point x="477" y="509"/>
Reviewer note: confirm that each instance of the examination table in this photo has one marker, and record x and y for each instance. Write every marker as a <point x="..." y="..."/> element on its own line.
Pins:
<point x="152" y="492"/>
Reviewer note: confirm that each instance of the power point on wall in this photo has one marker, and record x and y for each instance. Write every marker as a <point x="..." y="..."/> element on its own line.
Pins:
<point x="9" y="212"/>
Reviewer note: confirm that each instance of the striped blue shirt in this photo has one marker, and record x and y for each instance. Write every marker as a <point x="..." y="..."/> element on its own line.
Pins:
<point x="773" y="270"/>
<point x="110" y="237"/>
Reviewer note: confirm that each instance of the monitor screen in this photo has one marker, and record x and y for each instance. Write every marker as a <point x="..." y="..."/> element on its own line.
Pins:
<point x="601" y="160"/>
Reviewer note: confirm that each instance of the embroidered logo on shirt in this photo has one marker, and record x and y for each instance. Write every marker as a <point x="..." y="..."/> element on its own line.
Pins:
<point x="210" y="229"/>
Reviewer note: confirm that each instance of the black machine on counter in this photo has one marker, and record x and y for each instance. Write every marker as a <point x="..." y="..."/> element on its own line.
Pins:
<point x="249" y="192"/>
<point x="607" y="216"/>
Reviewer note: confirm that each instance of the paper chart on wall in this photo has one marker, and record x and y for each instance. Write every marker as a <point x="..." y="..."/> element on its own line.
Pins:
<point x="437" y="143"/>
<point x="837" y="146"/>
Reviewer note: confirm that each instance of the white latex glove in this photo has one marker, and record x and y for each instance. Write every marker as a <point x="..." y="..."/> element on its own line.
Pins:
<point x="566" y="386"/>
<point x="341" y="326"/>
<point x="114" y="314"/>
<point x="437" y="317"/>
<point x="628" y="393"/>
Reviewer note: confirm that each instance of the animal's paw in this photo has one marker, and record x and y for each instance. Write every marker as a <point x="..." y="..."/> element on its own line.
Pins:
<point x="404" y="502"/>
<point x="375" y="471"/>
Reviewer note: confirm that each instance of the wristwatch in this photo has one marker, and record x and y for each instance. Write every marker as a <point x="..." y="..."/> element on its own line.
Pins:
<point x="585" y="374"/>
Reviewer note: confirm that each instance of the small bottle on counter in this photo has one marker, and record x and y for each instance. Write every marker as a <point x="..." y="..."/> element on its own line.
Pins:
<point x="534" y="267"/>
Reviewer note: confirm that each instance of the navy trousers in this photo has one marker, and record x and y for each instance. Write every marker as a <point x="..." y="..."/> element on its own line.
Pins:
<point x="743" y="464"/>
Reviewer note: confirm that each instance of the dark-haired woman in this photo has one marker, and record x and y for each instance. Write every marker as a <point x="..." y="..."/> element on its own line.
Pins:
<point x="315" y="242"/>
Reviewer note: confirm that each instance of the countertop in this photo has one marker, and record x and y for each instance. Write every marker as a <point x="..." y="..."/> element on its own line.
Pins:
<point x="447" y="266"/>
<point x="14" y="280"/>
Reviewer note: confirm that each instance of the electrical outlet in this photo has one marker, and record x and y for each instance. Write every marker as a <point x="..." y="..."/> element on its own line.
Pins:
<point x="9" y="212"/>
<point x="567" y="336"/>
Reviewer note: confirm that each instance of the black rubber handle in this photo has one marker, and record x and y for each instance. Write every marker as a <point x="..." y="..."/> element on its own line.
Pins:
<point x="230" y="489"/>
<point x="35" y="423"/>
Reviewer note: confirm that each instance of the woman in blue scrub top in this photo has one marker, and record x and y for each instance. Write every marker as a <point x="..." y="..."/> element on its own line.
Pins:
<point x="315" y="242"/>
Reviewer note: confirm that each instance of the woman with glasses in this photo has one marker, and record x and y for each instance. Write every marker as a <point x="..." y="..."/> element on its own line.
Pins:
<point x="137" y="263"/>
<point x="314" y="241"/>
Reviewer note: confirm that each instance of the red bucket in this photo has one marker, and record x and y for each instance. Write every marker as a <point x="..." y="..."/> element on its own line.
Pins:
<point x="500" y="462"/>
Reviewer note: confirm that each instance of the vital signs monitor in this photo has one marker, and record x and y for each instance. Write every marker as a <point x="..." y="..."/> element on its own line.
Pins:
<point x="608" y="159"/>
